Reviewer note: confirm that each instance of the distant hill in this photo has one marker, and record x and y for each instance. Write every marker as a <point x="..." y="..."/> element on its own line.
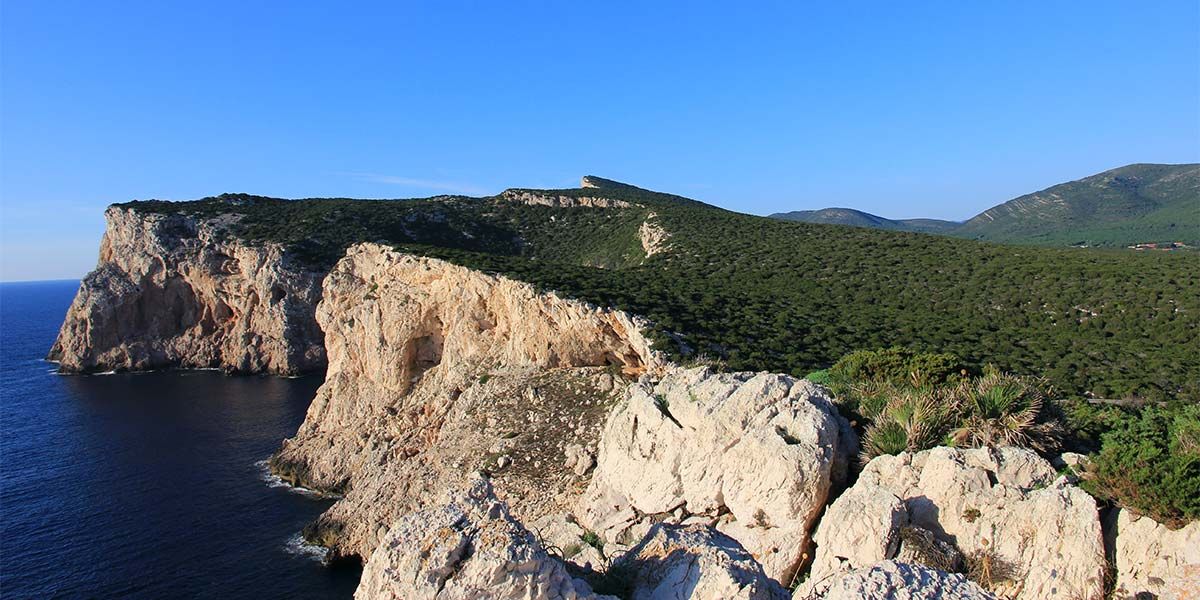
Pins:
<point x="1124" y="206"/>
<point x="858" y="218"/>
<point x="1129" y="205"/>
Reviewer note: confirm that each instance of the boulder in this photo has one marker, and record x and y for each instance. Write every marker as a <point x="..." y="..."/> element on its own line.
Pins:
<point x="693" y="563"/>
<point x="1150" y="558"/>
<point x="902" y="581"/>
<point x="470" y="548"/>
<point x="1028" y="532"/>
<point x="756" y="454"/>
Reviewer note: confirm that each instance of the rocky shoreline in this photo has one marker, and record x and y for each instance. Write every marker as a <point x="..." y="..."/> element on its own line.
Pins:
<point x="490" y="440"/>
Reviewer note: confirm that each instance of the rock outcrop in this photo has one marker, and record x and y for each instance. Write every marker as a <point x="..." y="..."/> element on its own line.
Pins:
<point x="173" y="290"/>
<point x="436" y="370"/>
<point x="1034" y="534"/>
<point x="468" y="548"/>
<point x="541" y="198"/>
<point x="694" y="562"/>
<point x="753" y="454"/>
<point x="653" y="236"/>
<point x="902" y="581"/>
<point x="1151" y="559"/>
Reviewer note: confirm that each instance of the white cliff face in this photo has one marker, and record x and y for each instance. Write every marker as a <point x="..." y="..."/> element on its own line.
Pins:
<point x="1149" y="558"/>
<point x="533" y="198"/>
<point x="173" y="291"/>
<point x="753" y="454"/>
<point x="1005" y="504"/>
<point x="436" y="370"/>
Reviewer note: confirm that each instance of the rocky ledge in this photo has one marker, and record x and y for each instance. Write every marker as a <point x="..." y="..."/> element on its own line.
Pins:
<point x="172" y="290"/>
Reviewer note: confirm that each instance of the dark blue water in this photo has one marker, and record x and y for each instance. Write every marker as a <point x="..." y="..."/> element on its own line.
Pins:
<point x="144" y="486"/>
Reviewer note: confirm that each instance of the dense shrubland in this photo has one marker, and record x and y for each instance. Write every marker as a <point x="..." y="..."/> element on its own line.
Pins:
<point x="1148" y="458"/>
<point x="1057" y="326"/>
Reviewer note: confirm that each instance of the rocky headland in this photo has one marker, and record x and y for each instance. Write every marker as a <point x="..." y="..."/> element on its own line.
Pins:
<point x="490" y="440"/>
<point x="177" y="291"/>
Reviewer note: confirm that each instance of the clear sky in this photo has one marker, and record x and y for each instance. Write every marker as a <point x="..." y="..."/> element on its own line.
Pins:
<point x="903" y="109"/>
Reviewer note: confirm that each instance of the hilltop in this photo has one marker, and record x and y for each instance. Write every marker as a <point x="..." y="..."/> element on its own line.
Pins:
<point x="858" y="218"/>
<point x="1134" y="204"/>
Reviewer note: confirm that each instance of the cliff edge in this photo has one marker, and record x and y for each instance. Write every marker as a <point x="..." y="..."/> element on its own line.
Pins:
<point x="177" y="291"/>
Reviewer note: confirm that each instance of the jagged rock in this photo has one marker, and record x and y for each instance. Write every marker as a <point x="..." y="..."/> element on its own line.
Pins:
<point x="923" y="547"/>
<point x="540" y="198"/>
<point x="900" y="581"/>
<point x="172" y="290"/>
<point x="560" y="533"/>
<point x="431" y="366"/>
<point x="654" y="237"/>
<point x="579" y="459"/>
<point x="757" y="452"/>
<point x="470" y="548"/>
<point x="1005" y="505"/>
<point x="860" y="528"/>
<point x="693" y="563"/>
<point x="1150" y="558"/>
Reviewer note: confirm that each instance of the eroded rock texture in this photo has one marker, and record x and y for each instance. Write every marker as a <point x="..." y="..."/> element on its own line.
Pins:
<point x="1039" y="535"/>
<point x="1152" y="559"/>
<point x="468" y="548"/>
<point x="696" y="562"/>
<point x="902" y="581"/>
<point x="754" y="455"/>
<point x="437" y="370"/>
<point x="175" y="291"/>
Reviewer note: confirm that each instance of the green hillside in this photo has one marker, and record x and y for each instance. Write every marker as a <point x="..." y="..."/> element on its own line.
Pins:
<point x="1134" y="204"/>
<point x="765" y="294"/>
<point x="1129" y="205"/>
<point x="858" y="218"/>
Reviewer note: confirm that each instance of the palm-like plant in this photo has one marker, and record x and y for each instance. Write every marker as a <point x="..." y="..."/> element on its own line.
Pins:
<point x="1000" y="409"/>
<point x="912" y="420"/>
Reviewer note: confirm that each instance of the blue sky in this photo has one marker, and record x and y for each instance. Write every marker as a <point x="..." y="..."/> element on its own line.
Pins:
<point x="938" y="110"/>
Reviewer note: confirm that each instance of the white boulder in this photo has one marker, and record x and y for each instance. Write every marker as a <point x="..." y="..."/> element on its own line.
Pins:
<point x="754" y="453"/>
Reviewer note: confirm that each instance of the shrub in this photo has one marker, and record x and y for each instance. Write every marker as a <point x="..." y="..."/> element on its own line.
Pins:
<point x="1000" y="409"/>
<point x="820" y="377"/>
<point x="1150" y="463"/>
<point x="865" y="381"/>
<point x="897" y="366"/>
<point x="912" y="420"/>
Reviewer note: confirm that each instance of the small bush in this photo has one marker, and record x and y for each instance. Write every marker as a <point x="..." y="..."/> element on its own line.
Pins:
<point x="592" y="539"/>
<point x="1150" y="463"/>
<point x="999" y="409"/>
<point x="819" y="377"/>
<point x="912" y="420"/>
<point x="989" y="570"/>
<point x="897" y="366"/>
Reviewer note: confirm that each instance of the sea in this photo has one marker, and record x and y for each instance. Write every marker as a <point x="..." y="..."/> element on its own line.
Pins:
<point x="146" y="485"/>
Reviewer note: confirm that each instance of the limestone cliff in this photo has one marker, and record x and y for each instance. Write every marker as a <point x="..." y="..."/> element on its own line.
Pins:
<point x="541" y="198"/>
<point x="172" y="290"/>
<point x="437" y="370"/>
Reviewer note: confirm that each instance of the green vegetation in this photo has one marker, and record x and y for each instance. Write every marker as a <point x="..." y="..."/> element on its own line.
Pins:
<point x="592" y="539"/>
<point x="1150" y="462"/>
<point x="909" y="401"/>
<point x="1133" y="204"/>
<point x="756" y="293"/>
<point x="858" y="218"/>
<point x="750" y="293"/>
<point x="1124" y="206"/>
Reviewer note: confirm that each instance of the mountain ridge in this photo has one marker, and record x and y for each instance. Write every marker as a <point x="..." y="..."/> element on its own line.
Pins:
<point x="1132" y="204"/>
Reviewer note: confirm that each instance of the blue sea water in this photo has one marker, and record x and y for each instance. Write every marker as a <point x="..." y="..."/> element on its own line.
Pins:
<point x="146" y="485"/>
